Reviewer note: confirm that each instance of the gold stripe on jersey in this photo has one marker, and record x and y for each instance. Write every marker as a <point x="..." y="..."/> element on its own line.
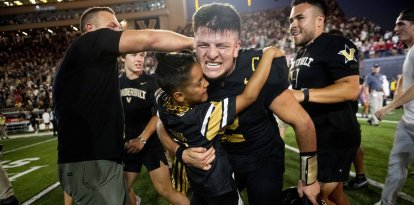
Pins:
<point x="215" y="119"/>
<point x="179" y="178"/>
<point x="233" y="137"/>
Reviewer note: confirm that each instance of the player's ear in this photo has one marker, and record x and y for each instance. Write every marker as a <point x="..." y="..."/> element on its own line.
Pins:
<point x="320" y="21"/>
<point x="236" y="50"/>
<point x="178" y="96"/>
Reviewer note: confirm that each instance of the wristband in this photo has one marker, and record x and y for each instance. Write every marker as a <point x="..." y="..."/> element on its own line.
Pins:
<point x="308" y="167"/>
<point x="305" y="94"/>
<point x="179" y="153"/>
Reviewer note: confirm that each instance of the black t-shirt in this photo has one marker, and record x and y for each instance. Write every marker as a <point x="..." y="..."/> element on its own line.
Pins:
<point x="199" y="126"/>
<point x="138" y="101"/>
<point x="87" y="98"/>
<point x="254" y="134"/>
<point x="329" y="58"/>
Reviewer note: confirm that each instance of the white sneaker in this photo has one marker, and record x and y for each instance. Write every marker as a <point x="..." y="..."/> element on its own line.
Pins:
<point x="378" y="203"/>
<point x="138" y="199"/>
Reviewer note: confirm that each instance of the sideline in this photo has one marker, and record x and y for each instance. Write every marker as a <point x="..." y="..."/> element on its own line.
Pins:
<point x="370" y="181"/>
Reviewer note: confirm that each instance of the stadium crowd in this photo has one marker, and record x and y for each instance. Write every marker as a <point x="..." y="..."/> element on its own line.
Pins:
<point x="46" y="16"/>
<point x="28" y="62"/>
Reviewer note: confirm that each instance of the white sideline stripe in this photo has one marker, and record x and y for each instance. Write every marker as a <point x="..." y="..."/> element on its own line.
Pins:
<point x="13" y="150"/>
<point x="370" y="181"/>
<point x="41" y="194"/>
<point x="388" y="121"/>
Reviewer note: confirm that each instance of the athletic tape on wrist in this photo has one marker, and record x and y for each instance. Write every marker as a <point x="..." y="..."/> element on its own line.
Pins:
<point x="308" y="167"/>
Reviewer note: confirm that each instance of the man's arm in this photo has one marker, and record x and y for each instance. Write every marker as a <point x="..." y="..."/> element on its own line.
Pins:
<point x="399" y="100"/>
<point x="298" y="118"/>
<point x="198" y="157"/>
<point x="134" y="41"/>
<point x="305" y="133"/>
<point x="346" y="88"/>
<point x="135" y="145"/>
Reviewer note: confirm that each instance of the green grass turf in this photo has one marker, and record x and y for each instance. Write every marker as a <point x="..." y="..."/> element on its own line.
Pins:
<point x="376" y="141"/>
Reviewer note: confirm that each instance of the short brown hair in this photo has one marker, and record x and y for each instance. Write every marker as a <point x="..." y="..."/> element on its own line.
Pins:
<point x="90" y="13"/>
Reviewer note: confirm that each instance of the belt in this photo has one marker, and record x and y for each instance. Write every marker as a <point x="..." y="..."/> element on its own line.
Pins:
<point x="379" y="90"/>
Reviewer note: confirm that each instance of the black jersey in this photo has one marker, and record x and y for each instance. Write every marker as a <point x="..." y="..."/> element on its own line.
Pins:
<point x="254" y="134"/>
<point x="138" y="101"/>
<point x="329" y="58"/>
<point x="87" y="98"/>
<point x="198" y="126"/>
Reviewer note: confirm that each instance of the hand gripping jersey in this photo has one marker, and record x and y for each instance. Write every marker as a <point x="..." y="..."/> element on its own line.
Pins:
<point x="198" y="126"/>
<point x="329" y="58"/>
<point x="254" y="134"/>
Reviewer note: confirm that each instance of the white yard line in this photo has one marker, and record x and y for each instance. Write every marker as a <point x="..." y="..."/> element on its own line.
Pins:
<point x="370" y="181"/>
<point x="24" y="147"/>
<point x="41" y="194"/>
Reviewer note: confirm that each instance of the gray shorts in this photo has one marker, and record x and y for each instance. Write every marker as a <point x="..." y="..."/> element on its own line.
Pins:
<point x="94" y="182"/>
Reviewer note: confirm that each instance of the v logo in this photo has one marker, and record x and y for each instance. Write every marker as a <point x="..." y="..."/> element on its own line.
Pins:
<point x="348" y="53"/>
<point x="128" y="99"/>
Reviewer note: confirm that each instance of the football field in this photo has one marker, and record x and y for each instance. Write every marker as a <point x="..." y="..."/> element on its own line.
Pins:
<point x="30" y="161"/>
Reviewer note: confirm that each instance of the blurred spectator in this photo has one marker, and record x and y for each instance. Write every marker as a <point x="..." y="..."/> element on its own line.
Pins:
<point x="386" y="89"/>
<point x="3" y="127"/>
<point x="46" y="119"/>
<point x="34" y="121"/>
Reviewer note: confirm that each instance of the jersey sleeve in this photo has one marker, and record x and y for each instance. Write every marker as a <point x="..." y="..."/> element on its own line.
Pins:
<point x="342" y="58"/>
<point x="277" y="81"/>
<point x="103" y="42"/>
<point x="217" y="115"/>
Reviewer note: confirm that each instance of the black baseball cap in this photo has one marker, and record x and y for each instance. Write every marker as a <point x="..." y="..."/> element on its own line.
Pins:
<point x="376" y="65"/>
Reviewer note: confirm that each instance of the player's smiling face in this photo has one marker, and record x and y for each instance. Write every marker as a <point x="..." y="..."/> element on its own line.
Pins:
<point x="216" y="51"/>
<point x="304" y="20"/>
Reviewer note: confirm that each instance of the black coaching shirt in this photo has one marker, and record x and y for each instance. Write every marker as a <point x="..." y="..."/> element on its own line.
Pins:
<point x="317" y="65"/>
<point x="87" y="99"/>
<point x="198" y="126"/>
<point x="138" y="101"/>
<point x="254" y="134"/>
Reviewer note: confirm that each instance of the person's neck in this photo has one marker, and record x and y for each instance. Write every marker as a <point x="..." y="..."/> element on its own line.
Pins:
<point x="133" y="75"/>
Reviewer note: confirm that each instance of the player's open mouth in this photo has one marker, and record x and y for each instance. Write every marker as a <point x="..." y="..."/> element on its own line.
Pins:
<point x="295" y="33"/>
<point x="213" y="65"/>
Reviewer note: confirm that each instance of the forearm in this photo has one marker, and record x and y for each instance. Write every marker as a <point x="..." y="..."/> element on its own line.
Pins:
<point x="165" y="139"/>
<point x="298" y="118"/>
<point x="342" y="90"/>
<point x="150" y="129"/>
<point x="403" y="98"/>
<point x="133" y="41"/>
<point x="305" y="134"/>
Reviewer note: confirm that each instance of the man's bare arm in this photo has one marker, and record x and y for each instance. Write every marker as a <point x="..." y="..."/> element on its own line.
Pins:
<point x="344" y="89"/>
<point x="134" y="41"/>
